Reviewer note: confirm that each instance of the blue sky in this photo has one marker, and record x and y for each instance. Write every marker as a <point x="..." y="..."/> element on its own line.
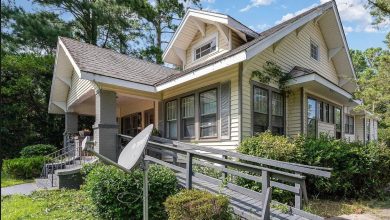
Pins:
<point x="262" y="14"/>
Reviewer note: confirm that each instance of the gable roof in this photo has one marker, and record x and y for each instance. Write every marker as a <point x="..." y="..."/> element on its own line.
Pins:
<point x="106" y="62"/>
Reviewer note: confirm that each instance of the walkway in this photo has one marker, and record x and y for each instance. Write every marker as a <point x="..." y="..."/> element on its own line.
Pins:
<point x="24" y="189"/>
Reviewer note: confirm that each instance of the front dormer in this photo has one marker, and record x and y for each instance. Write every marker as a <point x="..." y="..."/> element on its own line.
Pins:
<point x="202" y="36"/>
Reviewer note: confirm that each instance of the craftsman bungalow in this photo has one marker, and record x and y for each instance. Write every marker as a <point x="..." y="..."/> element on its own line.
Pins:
<point x="214" y="100"/>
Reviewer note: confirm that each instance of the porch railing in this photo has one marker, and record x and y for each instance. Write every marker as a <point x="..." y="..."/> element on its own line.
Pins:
<point x="270" y="173"/>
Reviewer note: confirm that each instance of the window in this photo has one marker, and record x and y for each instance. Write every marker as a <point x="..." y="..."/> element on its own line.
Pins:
<point x="277" y="114"/>
<point x="205" y="49"/>
<point x="311" y="117"/>
<point x="368" y="129"/>
<point x="314" y="51"/>
<point x="337" y="121"/>
<point x="262" y="100"/>
<point x="327" y="112"/>
<point x="331" y="114"/>
<point x="171" y="113"/>
<point x="208" y="113"/>
<point x="349" y="124"/>
<point x="188" y="116"/>
<point x="321" y="111"/>
<point x="260" y="109"/>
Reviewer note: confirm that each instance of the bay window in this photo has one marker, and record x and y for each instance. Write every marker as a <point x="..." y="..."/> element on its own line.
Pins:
<point x="188" y="116"/>
<point x="171" y="120"/>
<point x="208" y="113"/>
<point x="311" y="117"/>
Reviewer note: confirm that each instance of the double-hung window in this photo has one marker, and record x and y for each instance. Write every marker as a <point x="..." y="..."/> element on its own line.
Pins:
<point x="327" y="112"/>
<point x="311" y="117"/>
<point x="349" y="124"/>
<point x="314" y="51"/>
<point x="208" y="113"/>
<point x="337" y="121"/>
<point x="188" y="116"/>
<point x="206" y="48"/>
<point x="265" y="118"/>
<point x="171" y="114"/>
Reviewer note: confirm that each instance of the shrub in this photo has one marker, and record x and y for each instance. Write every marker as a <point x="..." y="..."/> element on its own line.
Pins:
<point x="88" y="167"/>
<point x="197" y="205"/>
<point x="119" y="195"/>
<point x="37" y="150"/>
<point x="359" y="171"/>
<point x="24" y="168"/>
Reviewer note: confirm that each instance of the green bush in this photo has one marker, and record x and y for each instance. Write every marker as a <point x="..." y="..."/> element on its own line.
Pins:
<point x="118" y="195"/>
<point x="384" y="135"/>
<point x="23" y="168"/>
<point x="359" y="171"/>
<point x="37" y="150"/>
<point x="197" y="205"/>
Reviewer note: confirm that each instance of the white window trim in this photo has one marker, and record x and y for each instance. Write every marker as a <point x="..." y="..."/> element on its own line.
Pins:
<point x="318" y="49"/>
<point x="203" y="42"/>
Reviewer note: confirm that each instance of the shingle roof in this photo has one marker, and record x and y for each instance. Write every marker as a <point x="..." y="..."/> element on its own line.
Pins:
<point x="245" y="46"/>
<point x="106" y="62"/>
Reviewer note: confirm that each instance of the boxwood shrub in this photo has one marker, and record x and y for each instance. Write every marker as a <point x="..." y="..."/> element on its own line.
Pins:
<point x="197" y="205"/>
<point x="37" y="150"/>
<point x="23" y="168"/>
<point x="359" y="171"/>
<point x="118" y="195"/>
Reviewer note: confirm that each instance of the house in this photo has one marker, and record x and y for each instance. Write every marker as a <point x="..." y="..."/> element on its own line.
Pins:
<point x="214" y="100"/>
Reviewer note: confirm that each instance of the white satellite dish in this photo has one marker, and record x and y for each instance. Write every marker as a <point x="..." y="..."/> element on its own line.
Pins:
<point x="131" y="156"/>
<point x="84" y="144"/>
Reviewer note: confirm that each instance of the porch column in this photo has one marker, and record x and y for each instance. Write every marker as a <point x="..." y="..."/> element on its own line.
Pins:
<point x="106" y="128"/>
<point x="71" y="126"/>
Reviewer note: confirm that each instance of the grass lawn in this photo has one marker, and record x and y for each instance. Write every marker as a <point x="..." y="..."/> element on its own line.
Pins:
<point x="9" y="181"/>
<point x="327" y="208"/>
<point x="48" y="204"/>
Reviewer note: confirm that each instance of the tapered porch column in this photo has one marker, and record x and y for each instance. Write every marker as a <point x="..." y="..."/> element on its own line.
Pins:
<point x="106" y="128"/>
<point x="71" y="125"/>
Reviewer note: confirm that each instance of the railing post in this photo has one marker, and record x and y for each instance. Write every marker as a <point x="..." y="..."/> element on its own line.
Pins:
<point x="224" y="174"/>
<point x="146" y="191"/>
<point x="265" y="183"/>
<point x="189" y="171"/>
<point x="298" y="196"/>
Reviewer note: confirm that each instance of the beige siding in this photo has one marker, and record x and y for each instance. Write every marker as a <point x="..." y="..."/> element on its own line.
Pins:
<point x="79" y="87"/>
<point x="293" y="113"/>
<point x="223" y="75"/>
<point x="326" y="128"/>
<point x="236" y="40"/>
<point x="223" y="46"/>
<point x="292" y="51"/>
<point x="359" y="128"/>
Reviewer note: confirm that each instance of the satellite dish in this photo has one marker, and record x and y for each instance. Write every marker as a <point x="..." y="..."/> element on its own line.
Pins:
<point x="132" y="154"/>
<point x="84" y="145"/>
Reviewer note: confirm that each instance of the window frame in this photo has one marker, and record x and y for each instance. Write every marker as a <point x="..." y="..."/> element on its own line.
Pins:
<point x="204" y="42"/>
<point x="182" y="118"/>
<point x="167" y="122"/>
<point x="349" y="128"/>
<point x="312" y="43"/>
<point x="216" y="114"/>
<point x="270" y="90"/>
<point x="316" y="116"/>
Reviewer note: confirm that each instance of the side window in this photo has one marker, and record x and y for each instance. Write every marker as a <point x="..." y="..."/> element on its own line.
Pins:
<point x="171" y="119"/>
<point x="260" y="110"/>
<point x="188" y="116"/>
<point x="208" y="113"/>
<point x="314" y="50"/>
<point x="311" y="117"/>
<point x="277" y="120"/>
<point x="337" y="121"/>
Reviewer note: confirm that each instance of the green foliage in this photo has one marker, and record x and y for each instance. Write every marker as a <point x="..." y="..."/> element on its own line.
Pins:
<point x="23" y="168"/>
<point x="384" y="136"/>
<point x="37" y="150"/>
<point x="271" y="72"/>
<point x="380" y="9"/>
<point x="48" y="204"/>
<point x="10" y="181"/>
<point x="359" y="170"/>
<point x="197" y="205"/>
<point x="118" y="195"/>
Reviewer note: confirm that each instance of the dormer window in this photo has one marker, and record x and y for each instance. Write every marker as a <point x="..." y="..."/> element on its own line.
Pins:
<point x="206" y="48"/>
<point x="314" y="50"/>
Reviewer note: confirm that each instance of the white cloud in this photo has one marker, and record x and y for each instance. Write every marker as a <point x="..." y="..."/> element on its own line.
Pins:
<point x="348" y="29"/>
<point x="262" y="27"/>
<point x="354" y="11"/>
<point x="208" y="1"/>
<point x="256" y="3"/>
<point x="291" y="15"/>
<point x="210" y="9"/>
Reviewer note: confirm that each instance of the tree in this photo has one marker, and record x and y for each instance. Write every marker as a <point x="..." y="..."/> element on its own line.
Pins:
<point x="380" y="9"/>
<point x="106" y="23"/>
<point x="162" y="16"/>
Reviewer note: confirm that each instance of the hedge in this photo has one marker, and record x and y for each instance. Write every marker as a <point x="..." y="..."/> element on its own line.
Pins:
<point x="118" y="195"/>
<point x="37" y="150"/>
<point x="197" y="205"/>
<point x="359" y="171"/>
<point x="23" y="168"/>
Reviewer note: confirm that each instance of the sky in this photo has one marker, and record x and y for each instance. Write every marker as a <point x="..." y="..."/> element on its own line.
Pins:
<point x="263" y="14"/>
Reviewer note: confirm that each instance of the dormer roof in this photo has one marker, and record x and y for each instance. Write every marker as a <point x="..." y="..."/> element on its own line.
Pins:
<point x="195" y="21"/>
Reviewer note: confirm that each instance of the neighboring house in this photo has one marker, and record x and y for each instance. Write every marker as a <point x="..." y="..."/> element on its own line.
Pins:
<point x="214" y="101"/>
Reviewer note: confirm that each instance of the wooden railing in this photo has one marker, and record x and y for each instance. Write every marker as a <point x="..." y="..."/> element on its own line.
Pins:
<point x="270" y="173"/>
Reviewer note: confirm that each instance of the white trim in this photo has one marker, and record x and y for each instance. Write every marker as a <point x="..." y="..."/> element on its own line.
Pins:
<point x="333" y="52"/>
<point x="204" y="42"/>
<point x="54" y="77"/>
<point x="61" y="105"/>
<point x="68" y="82"/>
<point x="201" y="26"/>
<point x="268" y="41"/>
<point x="117" y="82"/>
<point x="181" y="54"/>
<point x="223" y="30"/>
<point x="204" y="71"/>
<point x="76" y="68"/>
